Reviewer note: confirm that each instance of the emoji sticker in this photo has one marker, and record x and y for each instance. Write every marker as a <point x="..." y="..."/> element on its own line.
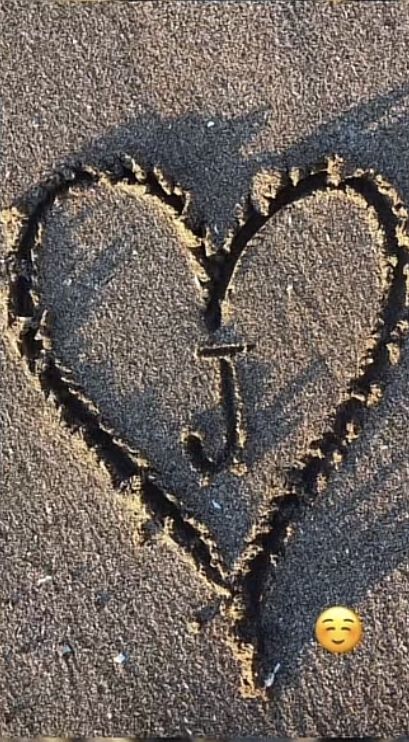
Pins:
<point x="338" y="629"/>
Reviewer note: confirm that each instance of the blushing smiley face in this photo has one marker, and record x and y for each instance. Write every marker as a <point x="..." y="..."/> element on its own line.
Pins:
<point x="338" y="629"/>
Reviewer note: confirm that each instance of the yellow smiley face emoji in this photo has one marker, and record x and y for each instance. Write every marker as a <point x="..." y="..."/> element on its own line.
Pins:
<point x="338" y="629"/>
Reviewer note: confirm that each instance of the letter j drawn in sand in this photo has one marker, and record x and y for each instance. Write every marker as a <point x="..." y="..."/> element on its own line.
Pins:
<point x="235" y="438"/>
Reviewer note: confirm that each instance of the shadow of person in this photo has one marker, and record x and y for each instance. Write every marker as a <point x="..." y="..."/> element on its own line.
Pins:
<point x="202" y="154"/>
<point x="215" y="158"/>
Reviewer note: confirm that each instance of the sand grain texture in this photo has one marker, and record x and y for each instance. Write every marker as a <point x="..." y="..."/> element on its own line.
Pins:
<point x="213" y="93"/>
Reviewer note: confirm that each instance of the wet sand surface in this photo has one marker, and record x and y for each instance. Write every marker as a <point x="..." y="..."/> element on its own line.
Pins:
<point x="100" y="617"/>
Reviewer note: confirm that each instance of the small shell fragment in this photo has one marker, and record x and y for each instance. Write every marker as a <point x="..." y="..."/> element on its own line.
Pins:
<point x="268" y="682"/>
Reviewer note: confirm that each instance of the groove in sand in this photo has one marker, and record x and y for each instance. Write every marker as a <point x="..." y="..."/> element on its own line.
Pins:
<point x="27" y="316"/>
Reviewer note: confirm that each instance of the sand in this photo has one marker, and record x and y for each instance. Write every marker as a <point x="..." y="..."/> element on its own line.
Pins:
<point x="118" y="583"/>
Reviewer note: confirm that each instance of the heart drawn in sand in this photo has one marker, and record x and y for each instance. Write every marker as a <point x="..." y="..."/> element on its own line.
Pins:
<point x="219" y="385"/>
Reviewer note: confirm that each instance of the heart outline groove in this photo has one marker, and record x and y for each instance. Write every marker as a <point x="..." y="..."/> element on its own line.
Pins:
<point x="28" y="319"/>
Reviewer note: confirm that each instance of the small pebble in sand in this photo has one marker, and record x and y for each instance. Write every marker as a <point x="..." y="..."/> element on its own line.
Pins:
<point x="67" y="651"/>
<point x="121" y="658"/>
<point x="271" y="677"/>
<point x="216" y="505"/>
